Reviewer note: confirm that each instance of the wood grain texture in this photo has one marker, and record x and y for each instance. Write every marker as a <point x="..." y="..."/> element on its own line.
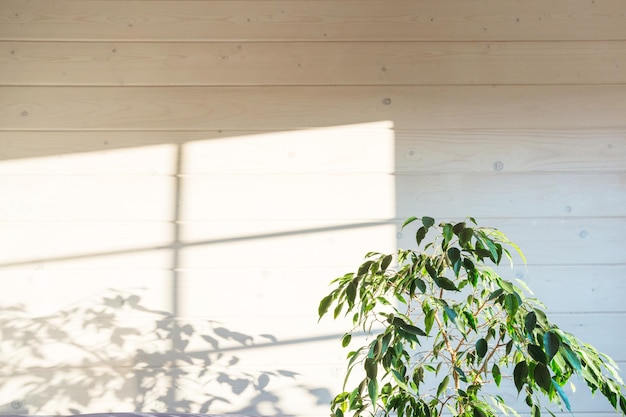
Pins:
<point x="513" y="195"/>
<point x="224" y="160"/>
<point x="318" y="20"/>
<point x="511" y="150"/>
<point x="284" y="108"/>
<point x="590" y="289"/>
<point x="316" y="63"/>
<point x="335" y="149"/>
<point x="586" y="241"/>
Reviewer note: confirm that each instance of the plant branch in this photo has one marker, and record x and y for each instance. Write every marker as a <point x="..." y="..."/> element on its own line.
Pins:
<point x="450" y="350"/>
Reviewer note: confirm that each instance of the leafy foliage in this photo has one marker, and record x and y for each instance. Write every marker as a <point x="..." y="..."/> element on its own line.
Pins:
<point x="444" y="325"/>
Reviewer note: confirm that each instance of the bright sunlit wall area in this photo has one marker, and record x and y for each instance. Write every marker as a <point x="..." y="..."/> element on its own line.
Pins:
<point x="236" y="237"/>
<point x="179" y="181"/>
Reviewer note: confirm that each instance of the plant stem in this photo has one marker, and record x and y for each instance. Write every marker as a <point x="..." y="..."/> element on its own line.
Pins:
<point x="450" y="350"/>
<point x="483" y="369"/>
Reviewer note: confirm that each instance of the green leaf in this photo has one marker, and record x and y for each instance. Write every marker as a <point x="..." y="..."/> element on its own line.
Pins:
<point x="386" y="261"/>
<point x="572" y="357"/>
<point x="399" y="379"/>
<point x="447" y="233"/>
<point x="454" y="254"/>
<point x="408" y="221"/>
<point x="506" y="286"/>
<point x="511" y="303"/>
<point x="537" y="353"/>
<point x="324" y="304"/>
<point x="431" y="271"/>
<point x="465" y="236"/>
<point x="443" y="385"/>
<point x="420" y="235"/>
<point x="509" y="347"/>
<point x="446" y="284"/>
<point x="450" y="313"/>
<point x="497" y="293"/>
<point x="561" y="393"/>
<point x="497" y="376"/>
<point x="520" y="374"/>
<point x="530" y="322"/>
<point x="345" y="340"/>
<point x="471" y="320"/>
<point x="551" y="344"/>
<point x="458" y="228"/>
<point x="420" y="284"/>
<point x="429" y="320"/>
<point x="338" y="309"/>
<point x="413" y="329"/>
<point x="371" y="368"/>
<point x="478" y="412"/>
<point x="365" y="266"/>
<point x="542" y="377"/>
<point x="351" y="292"/>
<point x="428" y="221"/>
<point x="372" y="390"/>
<point x="461" y="374"/>
<point x="481" y="348"/>
<point x="535" y="411"/>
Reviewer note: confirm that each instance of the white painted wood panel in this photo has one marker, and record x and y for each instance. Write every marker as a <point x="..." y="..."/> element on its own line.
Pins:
<point x="511" y="150"/>
<point x="73" y="198"/>
<point x="46" y="289"/>
<point x="288" y="20"/>
<point x="296" y="243"/>
<point x="517" y="195"/>
<point x="349" y="148"/>
<point x="580" y="288"/>
<point x="44" y="242"/>
<point x="224" y="160"/>
<point x="289" y="197"/>
<point x="587" y="241"/>
<point x="312" y="63"/>
<point x="283" y="108"/>
<point x="346" y="149"/>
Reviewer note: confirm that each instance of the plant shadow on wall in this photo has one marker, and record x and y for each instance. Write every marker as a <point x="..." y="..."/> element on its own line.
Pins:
<point x="115" y="347"/>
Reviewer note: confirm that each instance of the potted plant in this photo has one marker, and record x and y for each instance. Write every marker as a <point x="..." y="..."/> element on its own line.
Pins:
<point x="444" y="325"/>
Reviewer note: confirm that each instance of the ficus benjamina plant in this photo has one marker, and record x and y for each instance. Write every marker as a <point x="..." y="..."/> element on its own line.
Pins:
<point x="446" y="333"/>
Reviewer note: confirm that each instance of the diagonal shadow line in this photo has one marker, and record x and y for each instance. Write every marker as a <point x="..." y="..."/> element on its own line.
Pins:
<point x="243" y="347"/>
<point x="180" y="245"/>
<point x="297" y="341"/>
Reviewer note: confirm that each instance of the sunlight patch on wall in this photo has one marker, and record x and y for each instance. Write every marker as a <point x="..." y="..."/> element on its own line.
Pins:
<point x="186" y="276"/>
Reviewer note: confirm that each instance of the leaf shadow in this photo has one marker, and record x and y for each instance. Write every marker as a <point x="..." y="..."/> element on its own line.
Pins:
<point x="114" y="349"/>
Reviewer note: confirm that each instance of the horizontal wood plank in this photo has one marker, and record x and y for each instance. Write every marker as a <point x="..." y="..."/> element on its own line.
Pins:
<point x="512" y="195"/>
<point x="148" y="243"/>
<point x="317" y="63"/>
<point x="287" y="197"/>
<point x="340" y="243"/>
<point x="286" y="108"/>
<point x="82" y="198"/>
<point x="549" y="241"/>
<point x="511" y="150"/>
<point x="317" y="20"/>
<point x="573" y="241"/>
<point x="573" y="289"/>
<point x="46" y="288"/>
<point x="355" y="148"/>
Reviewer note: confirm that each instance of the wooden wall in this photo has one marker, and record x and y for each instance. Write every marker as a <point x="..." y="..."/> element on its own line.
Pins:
<point x="179" y="180"/>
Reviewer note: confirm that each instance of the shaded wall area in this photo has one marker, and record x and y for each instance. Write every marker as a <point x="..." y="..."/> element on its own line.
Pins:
<point x="179" y="180"/>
